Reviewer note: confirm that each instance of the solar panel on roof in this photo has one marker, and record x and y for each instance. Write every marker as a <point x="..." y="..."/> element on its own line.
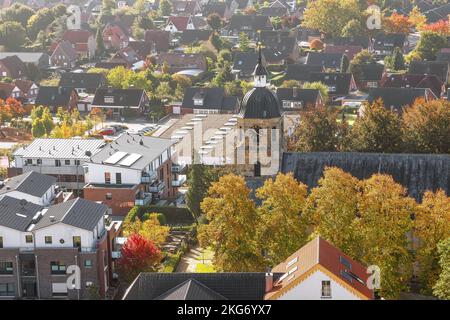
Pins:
<point x="132" y="158"/>
<point x="116" y="157"/>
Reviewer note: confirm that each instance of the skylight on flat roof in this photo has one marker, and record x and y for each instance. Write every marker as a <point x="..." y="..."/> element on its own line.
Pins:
<point x="132" y="158"/>
<point x="116" y="157"/>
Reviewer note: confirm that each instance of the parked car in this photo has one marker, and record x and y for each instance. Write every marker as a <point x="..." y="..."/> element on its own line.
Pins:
<point x="146" y="129"/>
<point x="110" y="131"/>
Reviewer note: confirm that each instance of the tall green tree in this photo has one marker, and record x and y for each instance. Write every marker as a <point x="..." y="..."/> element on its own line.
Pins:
<point x="396" y="61"/>
<point x="17" y="12"/>
<point x="165" y="8"/>
<point x="198" y="188"/>
<point x="377" y="130"/>
<point x="12" y="35"/>
<point x="429" y="45"/>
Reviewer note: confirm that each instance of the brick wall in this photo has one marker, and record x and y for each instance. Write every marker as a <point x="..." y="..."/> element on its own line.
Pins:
<point x="122" y="199"/>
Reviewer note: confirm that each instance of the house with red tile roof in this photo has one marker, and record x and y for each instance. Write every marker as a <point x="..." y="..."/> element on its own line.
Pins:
<point x="114" y="37"/>
<point x="22" y="90"/>
<point x="159" y="38"/>
<point x="349" y="51"/>
<point x="181" y="23"/>
<point x="320" y="271"/>
<point x="12" y="67"/>
<point x="83" y="42"/>
<point x="64" y="55"/>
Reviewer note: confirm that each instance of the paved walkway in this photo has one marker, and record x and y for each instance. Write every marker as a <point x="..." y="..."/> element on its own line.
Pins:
<point x="190" y="260"/>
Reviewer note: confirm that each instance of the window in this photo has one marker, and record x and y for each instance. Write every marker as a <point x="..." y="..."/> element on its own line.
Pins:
<point x="6" y="267"/>
<point x="67" y="162"/>
<point x="107" y="178"/>
<point x="77" y="162"/>
<point x="77" y="242"/>
<point x="39" y="161"/>
<point x="345" y="262"/>
<point x="7" y="290"/>
<point x="1" y="242"/>
<point x="29" y="238"/>
<point x="57" y="268"/>
<point x="29" y="161"/>
<point x="57" y="163"/>
<point x="118" y="178"/>
<point x="108" y="196"/>
<point x="88" y="263"/>
<point x="48" y="240"/>
<point x="326" y="289"/>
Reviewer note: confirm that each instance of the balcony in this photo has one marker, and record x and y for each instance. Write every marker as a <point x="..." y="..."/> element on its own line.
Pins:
<point x="157" y="187"/>
<point x="143" y="199"/>
<point x="149" y="177"/>
<point x="179" y="181"/>
<point x="178" y="168"/>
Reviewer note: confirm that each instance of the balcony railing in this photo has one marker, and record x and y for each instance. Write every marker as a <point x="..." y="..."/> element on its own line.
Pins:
<point x="149" y="178"/>
<point x="177" y="168"/>
<point x="179" y="182"/>
<point x="157" y="188"/>
<point x="143" y="199"/>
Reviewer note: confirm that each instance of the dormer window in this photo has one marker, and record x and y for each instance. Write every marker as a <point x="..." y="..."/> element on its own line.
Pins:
<point x="109" y="99"/>
<point x="198" y="101"/>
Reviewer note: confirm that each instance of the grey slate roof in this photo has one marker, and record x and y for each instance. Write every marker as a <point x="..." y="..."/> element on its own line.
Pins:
<point x="327" y="60"/>
<point x="16" y="213"/>
<point x="79" y="212"/>
<point x="54" y="96"/>
<point x="191" y="290"/>
<point x="260" y="103"/>
<point x="121" y="97"/>
<point x="32" y="183"/>
<point x="245" y="62"/>
<point x="232" y="286"/>
<point x="27" y="57"/>
<point x="213" y="98"/>
<point x="89" y="81"/>
<point x="397" y="98"/>
<point x="435" y="68"/>
<point x="45" y="148"/>
<point x="416" y="172"/>
<point x="301" y="72"/>
<point x="150" y="149"/>
<point x="308" y="97"/>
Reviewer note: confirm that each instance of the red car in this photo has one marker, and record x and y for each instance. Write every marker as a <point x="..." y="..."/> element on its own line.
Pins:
<point x="107" y="132"/>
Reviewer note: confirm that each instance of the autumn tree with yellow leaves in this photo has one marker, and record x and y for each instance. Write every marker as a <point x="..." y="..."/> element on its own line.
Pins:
<point x="281" y="230"/>
<point x="231" y="229"/>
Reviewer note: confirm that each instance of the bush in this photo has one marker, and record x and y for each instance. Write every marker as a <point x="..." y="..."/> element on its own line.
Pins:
<point x="171" y="262"/>
<point x="168" y="215"/>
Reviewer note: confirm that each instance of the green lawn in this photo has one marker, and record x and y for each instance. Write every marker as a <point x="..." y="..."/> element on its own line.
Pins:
<point x="204" y="268"/>
<point x="204" y="261"/>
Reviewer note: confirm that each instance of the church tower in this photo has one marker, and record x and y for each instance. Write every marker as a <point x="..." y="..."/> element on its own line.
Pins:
<point x="260" y="121"/>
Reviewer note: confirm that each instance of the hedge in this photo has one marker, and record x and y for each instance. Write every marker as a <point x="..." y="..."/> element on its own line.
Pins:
<point x="173" y="215"/>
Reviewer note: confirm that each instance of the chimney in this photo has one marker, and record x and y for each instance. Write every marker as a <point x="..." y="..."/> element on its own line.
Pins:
<point x="269" y="281"/>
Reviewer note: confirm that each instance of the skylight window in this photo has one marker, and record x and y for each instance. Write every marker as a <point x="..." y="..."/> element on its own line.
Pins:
<point x="345" y="262"/>
<point x="290" y="263"/>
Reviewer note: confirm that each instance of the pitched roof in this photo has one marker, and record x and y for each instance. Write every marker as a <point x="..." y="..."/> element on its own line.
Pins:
<point x="349" y="51"/>
<point x="341" y="81"/>
<point x="350" y="41"/>
<point x="390" y="40"/>
<point x="245" y="62"/>
<point x="302" y="72"/>
<point x="349" y="273"/>
<point x="90" y="81"/>
<point x="308" y="97"/>
<point x="179" y="60"/>
<point x="191" y="36"/>
<point x="32" y="183"/>
<point x="372" y="72"/>
<point x="404" y="168"/>
<point x="180" y="22"/>
<point x="327" y="60"/>
<point x="26" y="57"/>
<point x="142" y="48"/>
<point x="191" y="290"/>
<point x="54" y="96"/>
<point x="77" y="36"/>
<point x="17" y="213"/>
<point x="6" y="90"/>
<point x="215" y="7"/>
<point x="127" y="54"/>
<point x="232" y="286"/>
<point x="120" y="97"/>
<point x="15" y="66"/>
<point x="397" y="98"/>
<point x="67" y="48"/>
<point x="160" y="38"/>
<point x="79" y="213"/>
<point x="23" y="85"/>
<point x="250" y="23"/>
<point x="51" y="148"/>
<point x="213" y="98"/>
<point x="414" y="81"/>
<point x="436" y="68"/>
<point x="149" y="148"/>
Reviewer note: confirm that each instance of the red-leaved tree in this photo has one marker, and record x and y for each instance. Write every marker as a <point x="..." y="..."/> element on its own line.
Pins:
<point x="138" y="255"/>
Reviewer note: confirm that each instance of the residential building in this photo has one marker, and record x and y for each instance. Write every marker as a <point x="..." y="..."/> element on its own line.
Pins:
<point x="83" y="82"/>
<point x="133" y="169"/>
<point x="244" y="64"/>
<point x="415" y="81"/>
<point x="39" y="59"/>
<point x="302" y="72"/>
<point x="439" y="69"/>
<point x="297" y="99"/>
<point x="206" y="100"/>
<point x="12" y="67"/>
<point x="317" y="271"/>
<point x="22" y="90"/>
<point x="114" y="37"/>
<point x="55" y="97"/>
<point x="177" y="61"/>
<point x="398" y="98"/>
<point x="371" y="76"/>
<point x="64" y="55"/>
<point x="189" y="37"/>
<point x="61" y="158"/>
<point x="339" y="84"/>
<point x="121" y="100"/>
<point x="31" y="186"/>
<point x="249" y="24"/>
<point x="40" y="246"/>
<point x="83" y="42"/>
<point x="385" y="44"/>
<point x="160" y="39"/>
<point x="329" y="61"/>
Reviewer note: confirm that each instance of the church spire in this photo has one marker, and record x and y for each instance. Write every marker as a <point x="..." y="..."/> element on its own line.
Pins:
<point x="260" y="73"/>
